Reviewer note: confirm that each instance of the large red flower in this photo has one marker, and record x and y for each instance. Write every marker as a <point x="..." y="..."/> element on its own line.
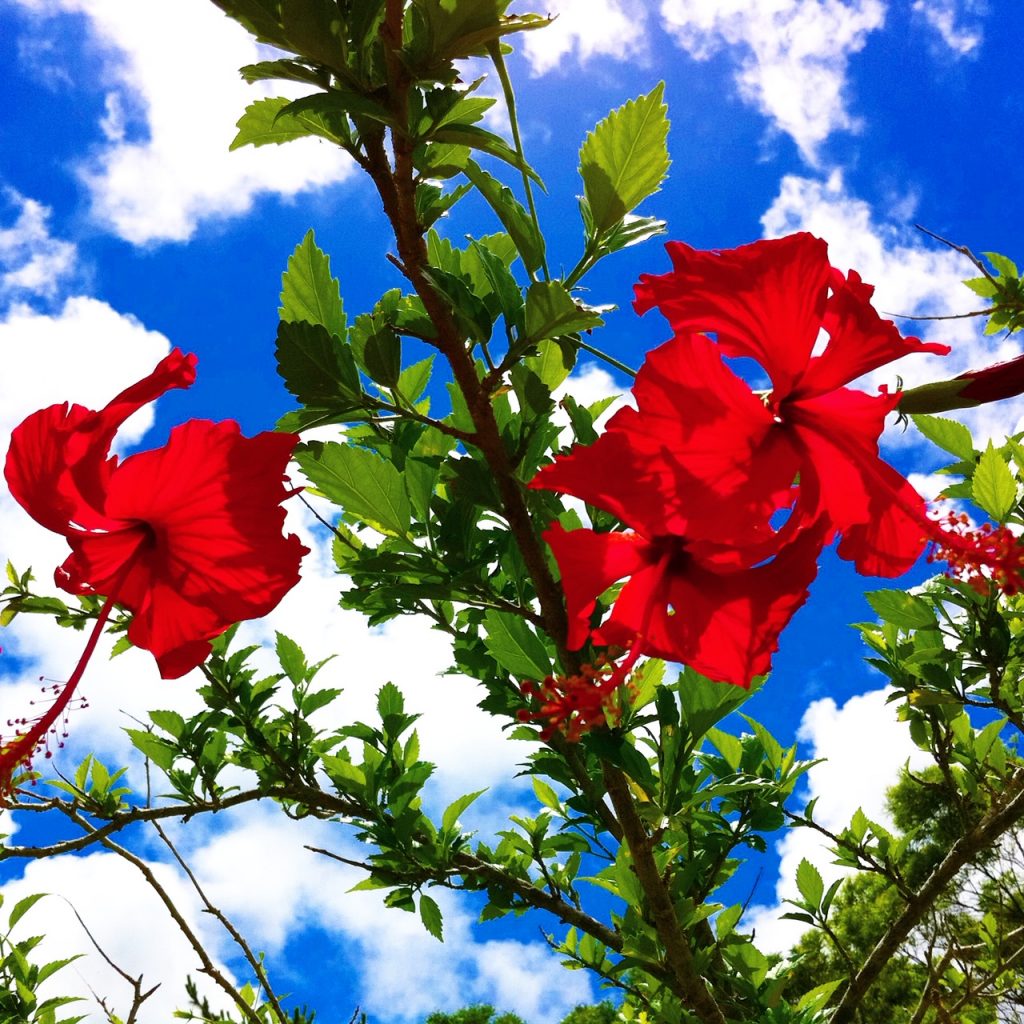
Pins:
<point x="770" y="301"/>
<point x="187" y="536"/>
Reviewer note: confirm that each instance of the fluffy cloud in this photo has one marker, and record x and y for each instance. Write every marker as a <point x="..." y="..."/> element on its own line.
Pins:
<point x="944" y="18"/>
<point x="585" y="29"/>
<point x="163" y="165"/>
<point x="913" y="276"/>
<point x="32" y="261"/>
<point x="131" y="926"/>
<point x="792" y="55"/>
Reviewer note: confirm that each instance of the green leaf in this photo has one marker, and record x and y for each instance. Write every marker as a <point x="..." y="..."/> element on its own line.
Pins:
<point x="808" y="881"/>
<point x="515" y="647"/>
<point x="288" y="70"/>
<point x="704" y="702"/>
<point x="390" y="701"/>
<point x="902" y="609"/>
<point x="292" y="658"/>
<point x="382" y="356"/>
<point x="309" y="292"/>
<point x="511" y="213"/>
<point x="455" y="809"/>
<point x="625" y="158"/>
<point x="554" y="360"/>
<point x="1003" y="264"/>
<point x="949" y="435"/>
<point x="993" y="487"/>
<point x="552" y="312"/>
<point x="363" y="484"/>
<point x="430" y="915"/>
<point x="317" y="367"/>
<point x="259" y="126"/>
<point x="728" y="746"/>
<point x="414" y="379"/>
<point x="23" y="906"/>
<point x="546" y="795"/>
<point x="170" y="721"/>
<point x="158" y="750"/>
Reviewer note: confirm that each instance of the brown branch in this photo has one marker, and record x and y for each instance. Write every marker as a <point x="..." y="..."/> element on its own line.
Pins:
<point x="138" y="996"/>
<point x="226" y="924"/>
<point x="683" y="978"/>
<point x="993" y="825"/>
<point x="208" y="968"/>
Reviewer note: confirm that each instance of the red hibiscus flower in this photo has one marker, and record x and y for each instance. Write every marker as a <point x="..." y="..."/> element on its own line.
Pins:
<point x="187" y="536"/>
<point x="681" y="602"/>
<point x="770" y="301"/>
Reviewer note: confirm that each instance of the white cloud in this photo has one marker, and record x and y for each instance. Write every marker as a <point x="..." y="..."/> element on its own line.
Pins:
<point x="164" y="166"/>
<point x="851" y="776"/>
<point x="32" y="261"/>
<point x="913" y="276"/>
<point x="587" y="28"/>
<point x="944" y="17"/>
<point x="792" y="55"/>
<point x="406" y="973"/>
<point x="129" y="923"/>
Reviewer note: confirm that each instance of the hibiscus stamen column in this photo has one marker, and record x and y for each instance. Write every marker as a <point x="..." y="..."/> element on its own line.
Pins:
<point x="21" y="749"/>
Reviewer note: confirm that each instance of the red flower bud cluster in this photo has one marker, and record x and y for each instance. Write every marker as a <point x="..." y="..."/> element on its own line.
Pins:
<point x="573" y="705"/>
<point x="986" y="556"/>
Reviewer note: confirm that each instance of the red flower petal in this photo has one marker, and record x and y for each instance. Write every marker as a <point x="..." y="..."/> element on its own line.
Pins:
<point x="859" y="339"/>
<point x="765" y="300"/>
<point x="210" y="500"/>
<point x="590" y="563"/>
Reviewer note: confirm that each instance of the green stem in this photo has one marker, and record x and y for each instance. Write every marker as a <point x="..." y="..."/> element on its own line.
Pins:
<point x="494" y="49"/>
<point x="610" y="360"/>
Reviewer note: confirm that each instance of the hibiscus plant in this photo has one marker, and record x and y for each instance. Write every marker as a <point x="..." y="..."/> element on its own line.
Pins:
<point x="617" y="589"/>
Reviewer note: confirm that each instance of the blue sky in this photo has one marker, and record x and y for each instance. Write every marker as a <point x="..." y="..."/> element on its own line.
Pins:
<point x="127" y="227"/>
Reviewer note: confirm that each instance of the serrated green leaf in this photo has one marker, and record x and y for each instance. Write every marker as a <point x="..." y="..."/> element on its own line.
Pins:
<point x="625" y="158"/>
<point x="430" y="915"/>
<point x="553" y="362"/>
<point x="546" y="795"/>
<point x="308" y="290"/>
<point x="808" y="881"/>
<point x="158" y="750"/>
<point x="552" y="312"/>
<point x="515" y="647"/>
<point x="259" y="126"/>
<point x="982" y="286"/>
<point x="23" y="906"/>
<point x="993" y="487"/>
<point x="291" y="657"/>
<point x="285" y="69"/>
<point x="170" y="721"/>
<point x="948" y="434"/>
<point x="363" y="484"/>
<point x="317" y="368"/>
<point x="902" y="609"/>
<point x="390" y="701"/>
<point x="455" y="809"/>
<point x="1003" y="264"/>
